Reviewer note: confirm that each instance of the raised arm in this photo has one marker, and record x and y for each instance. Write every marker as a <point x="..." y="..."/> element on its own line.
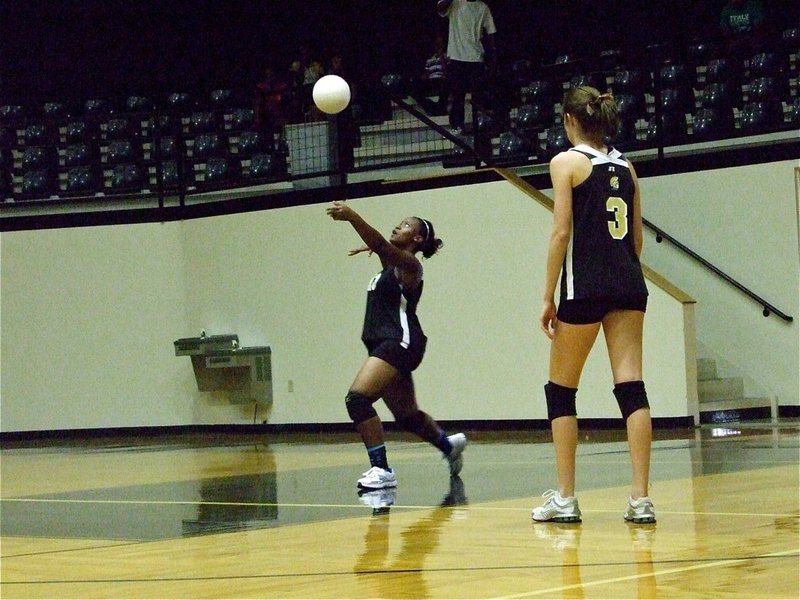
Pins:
<point x="388" y="253"/>
<point x="442" y="6"/>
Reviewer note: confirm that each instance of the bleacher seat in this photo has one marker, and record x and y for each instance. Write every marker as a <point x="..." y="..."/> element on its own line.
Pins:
<point x="626" y="137"/>
<point x="206" y="145"/>
<point x="126" y="177"/>
<point x="169" y="175"/>
<point x="78" y="154"/>
<point x="37" y="183"/>
<point x="675" y="101"/>
<point x="671" y="128"/>
<point x="168" y="148"/>
<point x="55" y="111"/>
<point x="39" y="134"/>
<point x="767" y="64"/>
<point x="251" y="142"/>
<point x="219" y="170"/>
<point x="718" y="95"/>
<point x="262" y="165"/>
<point x="37" y="158"/>
<point x="121" y="151"/>
<point x="555" y="141"/>
<point x="763" y="88"/>
<point x="630" y="107"/>
<point x="762" y="116"/>
<point x="11" y="114"/>
<point x="138" y="104"/>
<point x="534" y="117"/>
<point x="240" y="119"/>
<point x="203" y="122"/>
<point x="77" y="131"/>
<point x="513" y="146"/>
<point x="97" y="109"/>
<point x="81" y="180"/>
<point x="794" y="112"/>
<point x="220" y="99"/>
<point x="119" y="128"/>
<point x="713" y="122"/>
<point x="179" y="104"/>
<point x="595" y="80"/>
<point x="543" y="91"/>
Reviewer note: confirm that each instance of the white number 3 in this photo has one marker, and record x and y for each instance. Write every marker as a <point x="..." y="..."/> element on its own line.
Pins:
<point x="618" y="227"/>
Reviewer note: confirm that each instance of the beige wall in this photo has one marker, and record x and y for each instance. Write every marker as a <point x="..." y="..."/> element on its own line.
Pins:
<point x="744" y="220"/>
<point x="88" y="316"/>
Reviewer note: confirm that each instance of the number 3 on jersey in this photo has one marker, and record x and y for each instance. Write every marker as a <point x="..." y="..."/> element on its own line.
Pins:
<point x="618" y="226"/>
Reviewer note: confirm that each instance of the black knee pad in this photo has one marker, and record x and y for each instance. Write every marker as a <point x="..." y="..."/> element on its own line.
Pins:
<point x="412" y="422"/>
<point x="560" y="400"/>
<point x="359" y="407"/>
<point x="631" y="396"/>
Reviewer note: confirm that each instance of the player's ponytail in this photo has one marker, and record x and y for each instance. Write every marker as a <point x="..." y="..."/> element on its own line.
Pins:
<point x="430" y="244"/>
<point x="596" y="113"/>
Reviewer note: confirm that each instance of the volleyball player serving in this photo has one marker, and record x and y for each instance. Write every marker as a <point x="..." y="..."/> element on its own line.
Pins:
<point x="395" y="343"/>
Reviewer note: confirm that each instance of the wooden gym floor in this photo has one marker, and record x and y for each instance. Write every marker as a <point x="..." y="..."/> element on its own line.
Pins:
<point x="278" y="516"/>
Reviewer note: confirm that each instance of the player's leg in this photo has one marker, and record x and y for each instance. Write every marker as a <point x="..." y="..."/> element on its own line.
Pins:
<point x="623" y="332"/>
<point x="401" y="399"/>
<point x="372" y="379"/>
<point x="458" y="78"/>
<point x="568" y="352"/>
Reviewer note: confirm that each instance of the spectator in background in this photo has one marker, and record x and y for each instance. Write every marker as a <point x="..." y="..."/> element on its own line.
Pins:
<point x="433" y="82"/>
<point x="304" y="71"/>
<point x="742" y="27"/>
<point x="470" y="50"/>
<point x="270" y="100"/>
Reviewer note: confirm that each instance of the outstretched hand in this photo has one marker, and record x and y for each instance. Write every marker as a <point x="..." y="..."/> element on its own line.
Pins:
<point x="339" y="211"/>
<point x="359" y="250"/>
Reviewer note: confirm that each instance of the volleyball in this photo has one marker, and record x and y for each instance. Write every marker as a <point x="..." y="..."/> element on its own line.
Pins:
<point x="331" y="94"/>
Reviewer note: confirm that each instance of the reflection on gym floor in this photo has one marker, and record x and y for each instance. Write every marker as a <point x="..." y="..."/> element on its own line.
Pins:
<point x="280" y="516"/>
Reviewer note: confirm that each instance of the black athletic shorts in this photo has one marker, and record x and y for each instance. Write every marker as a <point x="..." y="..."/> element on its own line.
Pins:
<point x="593" y="310"/>
<point x="404" y="360"/>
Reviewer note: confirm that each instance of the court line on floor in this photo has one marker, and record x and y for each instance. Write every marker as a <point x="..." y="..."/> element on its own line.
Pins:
<point x="705" y="563"/>
<point x="476" y="507"/>
<point x="717" y="563"/>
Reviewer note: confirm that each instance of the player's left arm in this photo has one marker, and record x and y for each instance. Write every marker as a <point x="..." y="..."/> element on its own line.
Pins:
<point x="389" y="254"/>
<point x="638" y="237"/>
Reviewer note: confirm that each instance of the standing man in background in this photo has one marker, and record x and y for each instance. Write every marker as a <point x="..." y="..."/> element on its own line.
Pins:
<point x="470" y="50"/>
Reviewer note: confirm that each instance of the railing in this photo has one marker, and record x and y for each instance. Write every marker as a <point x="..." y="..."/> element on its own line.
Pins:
<point x="768" y="308"/>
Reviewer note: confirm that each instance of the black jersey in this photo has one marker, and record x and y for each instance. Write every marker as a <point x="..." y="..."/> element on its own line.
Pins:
<point x="391" y="312"/>
<point x="601" y="257"/>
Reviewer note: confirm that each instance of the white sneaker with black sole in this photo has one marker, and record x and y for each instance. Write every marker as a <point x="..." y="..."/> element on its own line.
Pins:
<point x="557" y="509"/>
<point x="640" y="511"/>
<point x="377" y="479"/>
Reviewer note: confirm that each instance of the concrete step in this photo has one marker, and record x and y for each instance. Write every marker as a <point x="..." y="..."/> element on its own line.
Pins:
<point x="729" y="388"/>
<point x="734" y="404"/>
<point x="706" y="369"/>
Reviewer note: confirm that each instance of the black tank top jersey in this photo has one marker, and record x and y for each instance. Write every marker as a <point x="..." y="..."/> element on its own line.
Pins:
<point x="391" y="312"/>
<point x="601" y="257"/>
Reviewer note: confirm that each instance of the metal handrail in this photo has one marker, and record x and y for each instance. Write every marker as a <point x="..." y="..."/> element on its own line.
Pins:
<point x="768" y="308"/>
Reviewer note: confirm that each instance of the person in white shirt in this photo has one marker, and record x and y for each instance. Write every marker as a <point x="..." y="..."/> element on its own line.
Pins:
<point x="470" y="49"/>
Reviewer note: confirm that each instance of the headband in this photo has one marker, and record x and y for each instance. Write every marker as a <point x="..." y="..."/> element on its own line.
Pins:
<point x="427" y="228"/>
